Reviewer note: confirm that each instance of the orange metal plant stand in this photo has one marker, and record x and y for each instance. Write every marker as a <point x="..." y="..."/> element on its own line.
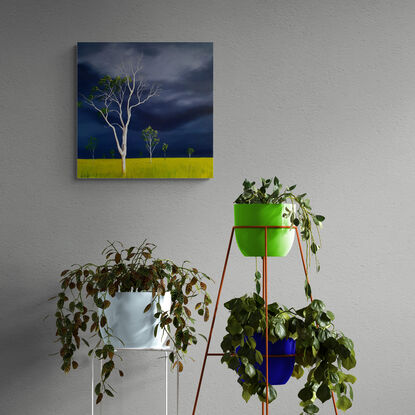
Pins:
<point x="265" y="405"/>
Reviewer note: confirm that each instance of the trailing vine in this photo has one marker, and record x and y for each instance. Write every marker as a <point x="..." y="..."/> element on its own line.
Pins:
<point x="325" y="352"/>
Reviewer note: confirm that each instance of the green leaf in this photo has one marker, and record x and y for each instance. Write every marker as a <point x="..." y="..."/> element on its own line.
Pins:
<point x="259" y="300"/>
<point x="323" y="392"/>
<point x="109" y="393"/>
<point x="305" y="394"/>
<point x="250" y="370"/>
<point x="334" y="378"/>
<point x="317" y="223"/>
<point x="319" y="372"/>
<point x="344" y="403"/>
<point x="350" y="378"/>
<point x="307" y="289"/>
<point x="258" y="357"/>
<point x="251" y="341"/>
<point x="311" y="409"/>
<point x="279" y="330"/>
<point x="350" y="362"/>
<point x="330" y="315"/>
<point x="233" y="363"/>
<point x="318" y="305"/>
<point x="323" y="335"/>
<point x="347" y="343"/>
<point x="246" y="395"/>
<point x="272" y="393"/>
<point x="320" y="218"/>
<point x="298" y="372"/>
<point x="258" y="287"/>
<point x="226" y="343"/>
<point x="235" y="327"/>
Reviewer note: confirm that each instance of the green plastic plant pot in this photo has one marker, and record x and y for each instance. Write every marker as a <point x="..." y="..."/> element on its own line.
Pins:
<point x="251" y="242"/>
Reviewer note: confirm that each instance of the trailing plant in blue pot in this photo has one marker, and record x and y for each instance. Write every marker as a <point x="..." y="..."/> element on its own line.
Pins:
<point x="306" y="337"/>
<point x="102" y="307"/>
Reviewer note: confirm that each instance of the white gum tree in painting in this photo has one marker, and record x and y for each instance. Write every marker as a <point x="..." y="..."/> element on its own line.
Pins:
<point x="151" y="139"/>
<point x="115" y="98"/>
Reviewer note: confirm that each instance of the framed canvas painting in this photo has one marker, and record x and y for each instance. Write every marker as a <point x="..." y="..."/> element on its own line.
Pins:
<point x="145" y="110"/>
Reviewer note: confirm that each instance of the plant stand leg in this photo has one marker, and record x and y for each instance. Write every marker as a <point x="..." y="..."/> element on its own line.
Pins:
<point x="334" y="403"/>
<point x="213" y="322"/>
<point x="100" y="374"/>
<point x="167" y="382"/>
<point x="177" y="391"/>
<point x="265" y="294"/>
<point x="92" y="384"/>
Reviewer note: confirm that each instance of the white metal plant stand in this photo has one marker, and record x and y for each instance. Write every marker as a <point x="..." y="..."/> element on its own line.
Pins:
<point x="166" y="359"/>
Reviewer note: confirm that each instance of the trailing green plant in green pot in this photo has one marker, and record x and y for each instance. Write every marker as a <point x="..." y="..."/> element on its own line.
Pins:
<point x="273" y="206"/>
<point x="325" y="352"/>
<point x="99" y="306"/>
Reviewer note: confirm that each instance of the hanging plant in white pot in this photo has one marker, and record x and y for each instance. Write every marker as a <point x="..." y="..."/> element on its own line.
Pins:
<point x="137" y="301"/>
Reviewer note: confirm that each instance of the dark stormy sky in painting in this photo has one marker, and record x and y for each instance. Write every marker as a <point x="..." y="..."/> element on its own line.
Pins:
<point x="182" y="112"/>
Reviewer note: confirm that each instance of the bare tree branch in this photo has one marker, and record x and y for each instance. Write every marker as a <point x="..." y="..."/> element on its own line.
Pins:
<point x="118" y="96"/>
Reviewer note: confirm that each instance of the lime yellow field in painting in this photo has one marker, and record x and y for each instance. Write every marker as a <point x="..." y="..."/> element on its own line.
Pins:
<point x="143" y="168"/>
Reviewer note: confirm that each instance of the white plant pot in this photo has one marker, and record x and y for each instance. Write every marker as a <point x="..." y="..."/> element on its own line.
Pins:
<point x="127" y="321"/>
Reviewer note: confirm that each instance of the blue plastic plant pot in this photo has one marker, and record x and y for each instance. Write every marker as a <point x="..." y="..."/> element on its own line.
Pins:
<point x="280" y="369"/>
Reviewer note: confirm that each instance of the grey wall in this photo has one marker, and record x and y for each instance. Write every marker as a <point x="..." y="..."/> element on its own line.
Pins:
<point x="321" y="93"/>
